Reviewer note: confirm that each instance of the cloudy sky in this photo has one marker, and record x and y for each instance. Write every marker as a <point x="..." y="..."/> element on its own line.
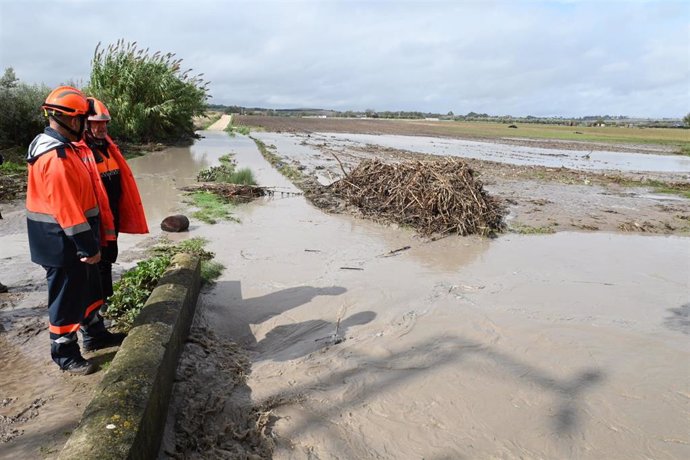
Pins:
<point x="518" y="57"/>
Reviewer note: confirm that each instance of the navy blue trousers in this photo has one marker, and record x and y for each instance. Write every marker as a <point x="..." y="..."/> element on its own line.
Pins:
<point x="105" y="267"/>
<point x="74" y="297"/>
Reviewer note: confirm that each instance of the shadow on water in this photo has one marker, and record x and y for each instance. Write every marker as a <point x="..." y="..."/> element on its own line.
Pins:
<point x="447" y="351"/>
<point x="255" y="310"/>
<point x="679" y="319"/>
<point x="292" y="341"/>
<point x="398" y="368"/>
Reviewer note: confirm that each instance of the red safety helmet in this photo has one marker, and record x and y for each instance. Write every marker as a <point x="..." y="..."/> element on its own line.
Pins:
<point x="66" y="100"/>
<point x="99" y="112"/>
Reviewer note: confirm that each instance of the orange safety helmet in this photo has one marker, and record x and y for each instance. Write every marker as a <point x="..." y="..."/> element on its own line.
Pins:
<point x="99" y="112"/>
<point x="66" y="100"/>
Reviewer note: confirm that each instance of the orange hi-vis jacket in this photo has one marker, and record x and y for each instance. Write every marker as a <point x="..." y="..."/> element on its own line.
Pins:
<point x="132" y="216"/>
<point x="107" y="224"/>
<point x="63" y="214"/>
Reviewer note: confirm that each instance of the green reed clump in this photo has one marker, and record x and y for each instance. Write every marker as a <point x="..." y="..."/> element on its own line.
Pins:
<point x="242" y="176"/>
<point x="227" y="173"/>
<point x="149" y="97"/>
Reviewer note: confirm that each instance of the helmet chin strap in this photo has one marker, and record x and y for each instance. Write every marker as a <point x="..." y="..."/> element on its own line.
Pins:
<point x="78" y="134"/>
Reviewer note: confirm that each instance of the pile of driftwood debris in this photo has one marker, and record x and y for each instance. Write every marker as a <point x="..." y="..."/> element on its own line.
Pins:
<point x="440" y="196"/>
<point x="235" y="192"/>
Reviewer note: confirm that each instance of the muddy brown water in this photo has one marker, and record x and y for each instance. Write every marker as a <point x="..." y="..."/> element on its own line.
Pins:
<point x="573" y="345"/>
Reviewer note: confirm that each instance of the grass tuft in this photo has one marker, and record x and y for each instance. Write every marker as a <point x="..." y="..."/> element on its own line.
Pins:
<point x="529" y="230"/>
<point x="212" y="207"/>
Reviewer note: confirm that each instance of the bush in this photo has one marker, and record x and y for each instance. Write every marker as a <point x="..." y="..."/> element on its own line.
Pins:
<point x="132" y="291"/>
<point x="134" y="288"/>
<point x="20" y="118"/>
<point x="148" y="97"/>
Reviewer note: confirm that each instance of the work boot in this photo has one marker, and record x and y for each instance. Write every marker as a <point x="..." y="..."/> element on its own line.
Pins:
<point x="105" y="340"/>
<point x="3" y="288"/>
<point x="80" y="367"/>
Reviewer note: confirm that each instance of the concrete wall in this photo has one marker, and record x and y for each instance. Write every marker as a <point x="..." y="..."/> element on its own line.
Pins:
<point x="126" y="417"/>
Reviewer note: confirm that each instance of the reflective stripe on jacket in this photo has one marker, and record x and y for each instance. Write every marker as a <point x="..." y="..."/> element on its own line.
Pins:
<point x="62" y="210"/>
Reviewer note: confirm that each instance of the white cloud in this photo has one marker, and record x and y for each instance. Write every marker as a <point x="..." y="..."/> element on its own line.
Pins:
<point x="500" y="57"/>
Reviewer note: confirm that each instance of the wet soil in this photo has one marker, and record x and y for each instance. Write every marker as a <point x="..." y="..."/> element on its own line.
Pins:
<point x="221" y="420"/>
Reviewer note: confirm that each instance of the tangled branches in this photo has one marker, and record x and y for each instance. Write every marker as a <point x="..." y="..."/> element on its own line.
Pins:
<point x="440" y="196"/>
<point x="236" y="192"/>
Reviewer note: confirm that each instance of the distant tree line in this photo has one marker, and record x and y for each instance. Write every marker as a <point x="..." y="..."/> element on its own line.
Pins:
<point x="589" y="120"/>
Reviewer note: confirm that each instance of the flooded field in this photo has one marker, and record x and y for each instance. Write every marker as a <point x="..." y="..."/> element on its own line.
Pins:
<point x="565" y="345"/>
<point x="594" y="160"/>
<point x="551" y="346"/>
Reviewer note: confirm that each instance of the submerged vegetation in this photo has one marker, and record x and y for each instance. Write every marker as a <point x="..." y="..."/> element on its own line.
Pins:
<point x="277" y="162"/>
<point x="233" y="129"/>
<point x="211" y="207"/>
<point x="676" y="139"/>
<point x="530" y="230"/>
<point x="134" y="288"/>
<point x="227" y="173"/>
<point x="214" y="205"/>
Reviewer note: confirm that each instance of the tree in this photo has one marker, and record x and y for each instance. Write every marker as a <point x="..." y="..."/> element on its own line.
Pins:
<point x="148" y="97"/>
<point x="686" y="120"/>
<point x="21" y="117"/>
<point x="9" y="79"/>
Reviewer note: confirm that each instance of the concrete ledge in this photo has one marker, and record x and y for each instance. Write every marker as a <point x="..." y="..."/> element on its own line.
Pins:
<point x="126" y="417"/>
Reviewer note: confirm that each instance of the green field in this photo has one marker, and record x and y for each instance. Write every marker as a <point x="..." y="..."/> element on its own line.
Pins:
<point x="677" y="137"/>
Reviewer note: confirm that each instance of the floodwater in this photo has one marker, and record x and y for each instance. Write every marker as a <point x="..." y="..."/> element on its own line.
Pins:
<point x="572" y="345"/>
<point x="513" y="154"/>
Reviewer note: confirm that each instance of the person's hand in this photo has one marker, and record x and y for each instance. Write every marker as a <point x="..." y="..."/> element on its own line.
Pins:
<point x="93" y="259"/>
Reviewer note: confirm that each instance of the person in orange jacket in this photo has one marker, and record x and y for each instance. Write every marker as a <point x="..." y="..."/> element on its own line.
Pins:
<point x="63" y="225"/>
<point x="121" y="188"/>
